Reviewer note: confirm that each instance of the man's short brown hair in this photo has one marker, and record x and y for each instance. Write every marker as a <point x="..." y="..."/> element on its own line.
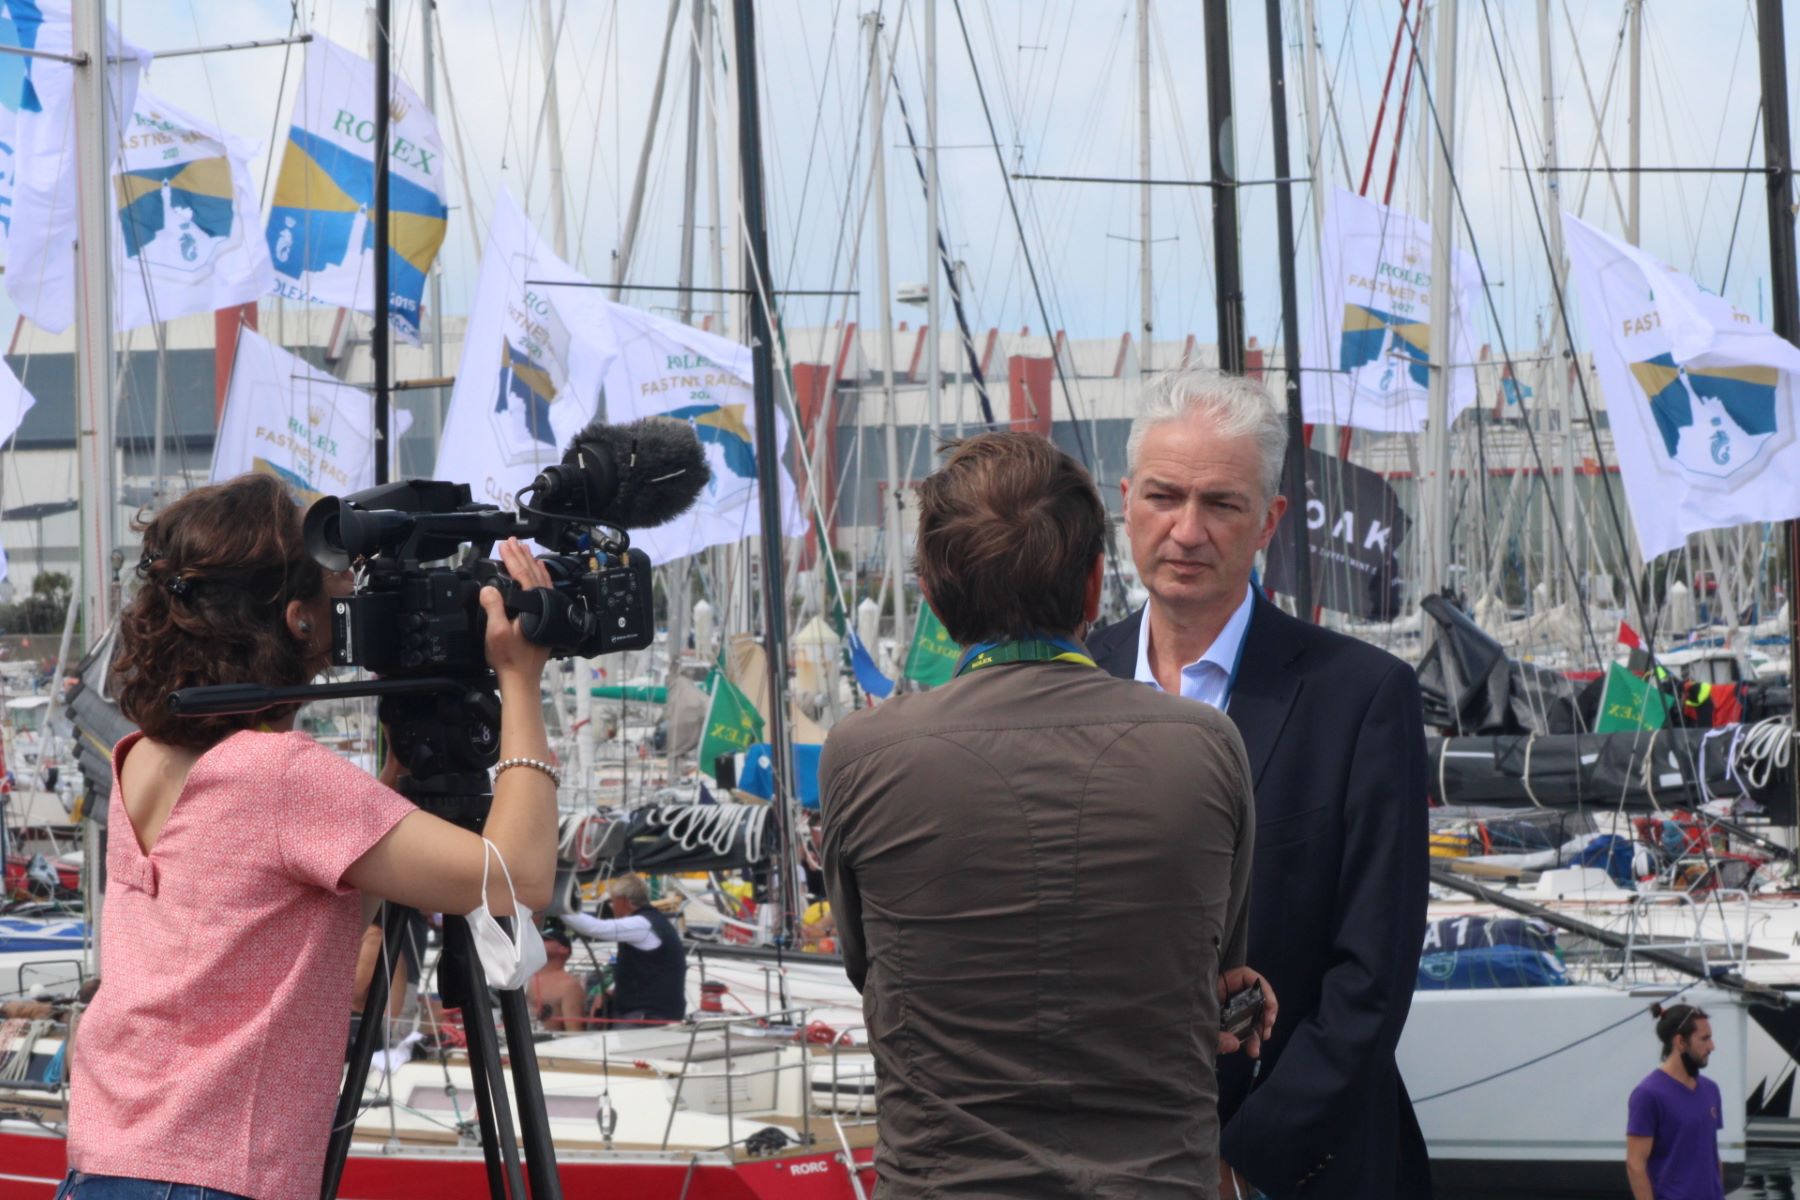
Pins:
<point x="1009" y="528"/>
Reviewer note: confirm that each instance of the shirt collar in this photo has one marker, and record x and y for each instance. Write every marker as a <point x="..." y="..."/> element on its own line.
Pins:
<point x="1222" y="654"/>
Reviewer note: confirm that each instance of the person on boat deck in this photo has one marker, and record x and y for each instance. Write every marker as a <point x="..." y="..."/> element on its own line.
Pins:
<point x="558" y="1000"/>
<point x="1673" y="1121"/>
<point x="1334" y="731"/>
<point x="241" y="855"/>
<point x="1040" y="874"/>
<point x="650" y="985"/>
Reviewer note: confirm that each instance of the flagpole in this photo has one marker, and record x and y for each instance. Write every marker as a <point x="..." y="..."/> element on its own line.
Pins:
<point x="378" y="339"/>
<point x="1778" y="159"/>
<point x="768" y="458"/>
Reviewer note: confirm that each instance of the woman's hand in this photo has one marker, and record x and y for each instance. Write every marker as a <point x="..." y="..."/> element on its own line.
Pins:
<point x="512" y="657"/>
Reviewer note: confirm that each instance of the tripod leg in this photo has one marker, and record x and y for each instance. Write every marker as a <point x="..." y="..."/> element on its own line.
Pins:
<point x="368" y="1036"/>
<point x="540" y="1150"/>
<point x="484" y="1056"/>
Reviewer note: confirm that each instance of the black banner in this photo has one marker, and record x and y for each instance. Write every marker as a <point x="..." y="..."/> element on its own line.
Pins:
<point x="1354" y="529"/>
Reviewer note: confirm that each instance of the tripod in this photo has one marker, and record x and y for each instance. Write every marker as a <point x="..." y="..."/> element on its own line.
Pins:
<point x="447" y="734"/>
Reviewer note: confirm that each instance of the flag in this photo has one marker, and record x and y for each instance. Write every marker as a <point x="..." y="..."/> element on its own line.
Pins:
<point x="1354" y="527"/>
<point x="190" y="236"/>
<point x="15" y="402"/>
<point x="321" y="232"/>
<point x="868" y="675"/>
<point x="1637" y="659"/>
<point x="285" y="418"/>
<point x="932" y="657"/>
<point x="531" y="369"/>
<point x="659" y="367"/>
<point x="1629" y="704"/>
<point x="732" y="723"/>
<point x="1629" y="636"/>
<point x="38" y="152"/>
<point x="1368" y="361"/>
<point x="1700" y="396"/>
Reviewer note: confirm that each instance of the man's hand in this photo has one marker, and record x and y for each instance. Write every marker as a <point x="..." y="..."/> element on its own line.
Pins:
<point x="1231" y="982"/>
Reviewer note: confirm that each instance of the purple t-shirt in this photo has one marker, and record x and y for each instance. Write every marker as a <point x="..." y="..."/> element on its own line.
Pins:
<point x="1685" y="1123"/>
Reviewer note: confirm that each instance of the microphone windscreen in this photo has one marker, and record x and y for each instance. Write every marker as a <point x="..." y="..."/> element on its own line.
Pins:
<point x="656" y="464"/>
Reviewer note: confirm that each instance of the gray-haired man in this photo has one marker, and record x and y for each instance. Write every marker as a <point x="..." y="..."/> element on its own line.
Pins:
<point x="1334" y="734"/>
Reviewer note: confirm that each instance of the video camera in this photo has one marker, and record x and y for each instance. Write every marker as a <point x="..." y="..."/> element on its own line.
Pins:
<point x="406" y="618"/>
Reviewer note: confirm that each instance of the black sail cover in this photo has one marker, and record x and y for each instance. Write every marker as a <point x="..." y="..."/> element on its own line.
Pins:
<point x="1354" y="527"/>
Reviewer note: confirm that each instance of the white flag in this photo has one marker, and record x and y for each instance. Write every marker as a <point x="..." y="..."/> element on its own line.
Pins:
<point x="1700" y="396"/>
<point x="15" y="402"/>
<point x="190" y="236"/>
<point x="321" y="225"/>
<point x="661" y="367"/>
<point x="37" y="100"/>
<point x="1367" y="362"/>
<point x="284" y="417"/>
<point x="531" y="369"/>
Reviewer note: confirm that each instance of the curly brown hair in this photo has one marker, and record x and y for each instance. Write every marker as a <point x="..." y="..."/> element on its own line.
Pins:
<point x="219" y="568"/>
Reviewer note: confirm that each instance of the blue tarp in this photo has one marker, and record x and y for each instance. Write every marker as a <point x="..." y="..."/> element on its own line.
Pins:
<point x="1612" y="854"/>
<point x="758" y="774"/>
<point x="1489" y="967"/>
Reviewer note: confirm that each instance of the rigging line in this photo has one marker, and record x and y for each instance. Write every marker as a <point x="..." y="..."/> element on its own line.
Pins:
<point x="1719" y="138"/>
<point x="1332" y="117"/>
<point x="1487" y="290"/>
<point x="1737" y="217"/>
<point x="1559" y="290"/>
<point x="608" y="30"/>
<point x="945" y="266"/>
<point x="1687" y="218"/>
<point x="287" y="58"/>
<point x="1598" y="112"/>
<point x="812" y="140"/>
<point x="1387" y="85"/>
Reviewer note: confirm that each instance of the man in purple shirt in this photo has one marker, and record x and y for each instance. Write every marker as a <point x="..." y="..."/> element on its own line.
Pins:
<point x="1672" y="1133"/>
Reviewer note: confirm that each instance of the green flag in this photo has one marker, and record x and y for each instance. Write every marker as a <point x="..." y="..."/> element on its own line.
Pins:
<point x="932" y="659"/>
<point x="1629" y="704"/>
<point x="732" y="723"/>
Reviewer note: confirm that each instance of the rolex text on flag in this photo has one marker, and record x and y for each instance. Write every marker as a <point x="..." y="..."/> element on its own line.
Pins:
<point x="1700" y="396"/>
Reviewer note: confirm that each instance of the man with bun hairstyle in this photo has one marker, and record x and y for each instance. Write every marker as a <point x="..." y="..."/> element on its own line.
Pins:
<point x="1672" y="1131"/>
<point x="1039" y="872"/>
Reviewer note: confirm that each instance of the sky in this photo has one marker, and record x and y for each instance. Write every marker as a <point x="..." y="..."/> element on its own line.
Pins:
<point x="1061" y="79"/>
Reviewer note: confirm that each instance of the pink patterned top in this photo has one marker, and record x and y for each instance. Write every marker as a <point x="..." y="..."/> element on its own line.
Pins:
<point x="214" y="1048"/>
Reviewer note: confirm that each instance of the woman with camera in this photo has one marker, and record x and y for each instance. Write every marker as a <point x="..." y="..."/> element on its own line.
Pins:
<point x="241" y="852"/>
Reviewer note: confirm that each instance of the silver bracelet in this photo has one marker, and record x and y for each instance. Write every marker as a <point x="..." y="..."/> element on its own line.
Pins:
<point x="536" y="764"/>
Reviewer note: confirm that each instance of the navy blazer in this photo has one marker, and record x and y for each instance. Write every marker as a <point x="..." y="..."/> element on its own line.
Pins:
<point x="1335" y="735"/>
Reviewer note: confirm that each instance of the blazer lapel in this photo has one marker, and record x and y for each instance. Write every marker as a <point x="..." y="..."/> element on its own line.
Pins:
<point x="1266" y="685"/>
<point x="1115" y="647"/>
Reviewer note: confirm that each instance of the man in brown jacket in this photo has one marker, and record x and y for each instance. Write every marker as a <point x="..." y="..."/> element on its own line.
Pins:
<point x="1039" y="872"/>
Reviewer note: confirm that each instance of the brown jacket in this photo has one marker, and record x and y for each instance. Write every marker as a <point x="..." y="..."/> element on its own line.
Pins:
<point x="1038" y="871"/>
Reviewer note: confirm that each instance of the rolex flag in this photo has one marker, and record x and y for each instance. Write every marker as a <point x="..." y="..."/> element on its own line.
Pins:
<point x="1368" y="361"/>
<point x="190" y="236"/>
<point x="321" y="231"/>
<point x="732" y="723"/>
<point x="1700" y="396"/>
<point x="285" y="418"/>
<point x="530" y="373"/>
<point x="931" y="661"/>
<point x="38" y="199"/>
<point x="662" y="368"/>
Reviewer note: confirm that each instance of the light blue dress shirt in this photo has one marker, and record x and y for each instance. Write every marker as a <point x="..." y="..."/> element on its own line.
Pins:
<point x="1208" y="678"/>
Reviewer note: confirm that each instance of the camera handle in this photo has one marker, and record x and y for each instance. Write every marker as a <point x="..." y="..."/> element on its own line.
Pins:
<point x="434" y="728"/>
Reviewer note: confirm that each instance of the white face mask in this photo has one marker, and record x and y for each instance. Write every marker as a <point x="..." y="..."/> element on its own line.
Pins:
<point x="508" y="961"/>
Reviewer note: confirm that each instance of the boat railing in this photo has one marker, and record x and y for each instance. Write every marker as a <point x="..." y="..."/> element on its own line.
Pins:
<point x="1699" y="926"/>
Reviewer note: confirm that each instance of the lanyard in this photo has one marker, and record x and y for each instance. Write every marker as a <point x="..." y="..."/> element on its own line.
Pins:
<point x="1032" y="649"/>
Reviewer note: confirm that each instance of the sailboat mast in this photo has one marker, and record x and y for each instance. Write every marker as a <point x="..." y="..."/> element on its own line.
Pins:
<point x="768" y="457"/>
<point x="428" y="45"/>
<point x="1146" y="294"/>
<point x="878" y="183"/>
<point x="1556" y="374"/>
<point x="934" y="371"/>
<point x="1443" y="293"/>
<point x="378" y="339"/>
<point x="635" y="211"/>
<point x="1785" y="294"/>
<point x="1221" y="137"/>
<point x="1295" y="474"/>
<point x="559" y="221"/>
<point x="96" y="129"/>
